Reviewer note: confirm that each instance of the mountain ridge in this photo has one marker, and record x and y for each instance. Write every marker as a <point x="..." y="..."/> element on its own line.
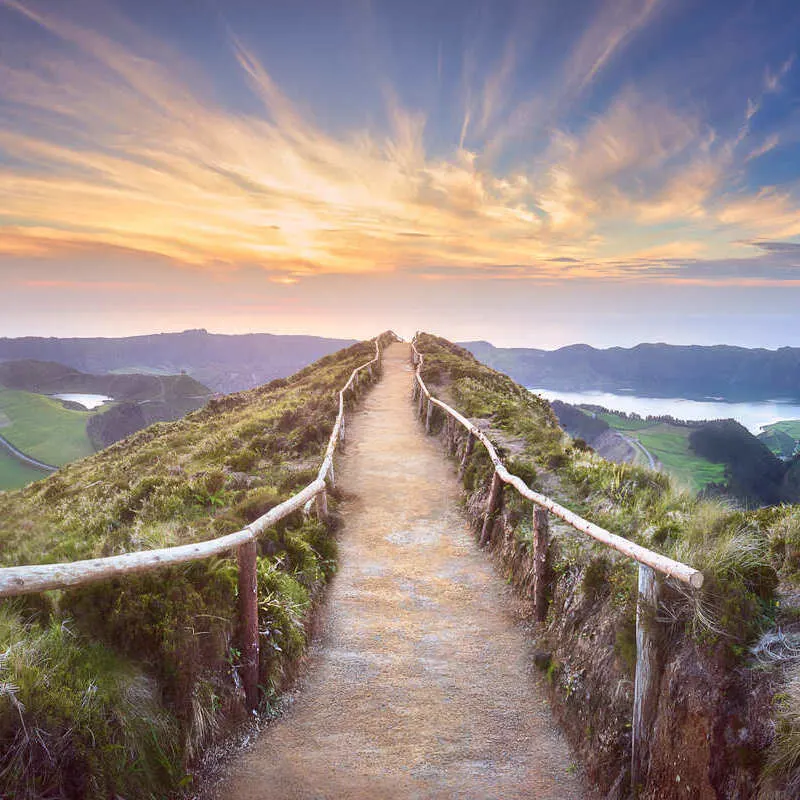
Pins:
<point x="223" y="362"/>
<point x="655" y="369"/>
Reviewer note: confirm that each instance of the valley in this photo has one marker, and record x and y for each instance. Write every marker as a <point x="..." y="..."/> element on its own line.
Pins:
<point x="53" y="414"/>
<point x="669" y="446"/>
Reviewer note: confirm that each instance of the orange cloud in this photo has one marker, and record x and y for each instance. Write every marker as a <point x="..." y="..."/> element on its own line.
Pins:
<point x="133" y="157"/>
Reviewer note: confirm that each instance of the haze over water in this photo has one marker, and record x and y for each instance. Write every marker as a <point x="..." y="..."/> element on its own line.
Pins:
<point x="753" y="415"/>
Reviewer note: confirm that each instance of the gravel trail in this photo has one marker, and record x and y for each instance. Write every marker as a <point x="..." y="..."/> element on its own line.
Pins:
<point x="420" y="684"/>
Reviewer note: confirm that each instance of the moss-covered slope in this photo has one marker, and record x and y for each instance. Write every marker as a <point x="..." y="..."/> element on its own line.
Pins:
<point x="112" y="689"/>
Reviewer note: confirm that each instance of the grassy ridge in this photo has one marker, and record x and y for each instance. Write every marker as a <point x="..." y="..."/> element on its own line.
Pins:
<point x="112" y="689"/>
<point x="743" y="554"/>
<point x="737" y="551"/>
<point x="41" y="427"/>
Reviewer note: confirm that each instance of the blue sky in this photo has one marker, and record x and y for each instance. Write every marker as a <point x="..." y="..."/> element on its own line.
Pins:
<point x="528" y="173"/>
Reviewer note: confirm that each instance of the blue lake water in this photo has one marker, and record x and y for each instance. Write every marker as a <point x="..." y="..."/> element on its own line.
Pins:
<point x="88" y="401"/>
<point x="752" y="415"/>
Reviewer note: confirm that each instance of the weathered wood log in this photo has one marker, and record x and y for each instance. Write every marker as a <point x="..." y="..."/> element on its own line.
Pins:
<point x="469" y="446"/>
<point x="248" y="621"/>
<point x="648" y="676"/>
<point x="43" y="577"/>
<point x="541" y="545"/>
<point x="493" y="505"/>
<point x="429" y="418"/>
<point x="452" y="438"/>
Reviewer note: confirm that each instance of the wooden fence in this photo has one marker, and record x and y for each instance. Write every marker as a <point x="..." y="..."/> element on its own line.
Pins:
<point x="646" y="682"/>
<point x="42" y="577"/>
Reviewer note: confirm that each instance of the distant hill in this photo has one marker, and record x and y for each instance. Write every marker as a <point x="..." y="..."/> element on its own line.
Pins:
<point x="752" y="472"/>
<point x="48" y="377"/>
<point x="225" y="363"/>
<point x="733" y="373"/>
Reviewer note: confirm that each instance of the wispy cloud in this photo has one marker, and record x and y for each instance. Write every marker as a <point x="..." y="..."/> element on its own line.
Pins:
<point x="109" y="144"/>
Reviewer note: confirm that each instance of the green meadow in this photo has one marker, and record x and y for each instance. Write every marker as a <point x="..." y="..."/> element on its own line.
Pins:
<point x="42" y="428"/>
<point x="669" y="444"/>
<point x="14" y="474"/>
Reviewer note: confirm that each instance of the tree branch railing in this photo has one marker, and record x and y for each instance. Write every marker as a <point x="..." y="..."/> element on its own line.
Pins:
<point x="647" y="676"/>
<point x="43" y="577"/>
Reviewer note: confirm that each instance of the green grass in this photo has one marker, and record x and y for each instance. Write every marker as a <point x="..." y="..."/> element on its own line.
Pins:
<point x="14" y="474"/>
<point x="669" y="444"/>
<point x="147" y="665"/>
<point x="620" y="423"/>
<point x="42" y="428"/>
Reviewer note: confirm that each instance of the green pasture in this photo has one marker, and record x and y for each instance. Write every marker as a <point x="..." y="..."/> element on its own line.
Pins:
<point x="669" y="444"/>
<point x="14" y="474"/>
<point x="42" y="428"/>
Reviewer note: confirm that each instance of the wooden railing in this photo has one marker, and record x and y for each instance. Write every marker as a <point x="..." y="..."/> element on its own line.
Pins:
<point x="42" y="577"/>
<point x="647" y="667"/>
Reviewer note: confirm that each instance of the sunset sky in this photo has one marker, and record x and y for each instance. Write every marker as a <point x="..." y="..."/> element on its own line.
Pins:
<point x="534" y="173"/>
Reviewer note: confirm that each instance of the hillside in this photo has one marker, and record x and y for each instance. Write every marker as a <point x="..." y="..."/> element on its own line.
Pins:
<point x="783" y="438"/>
<point x="728" y="713"/>
<point x="660" y="370"/>
<point x="225" y="363"/>
<point x="665" y="441"/>
<point x="125" y="681"/>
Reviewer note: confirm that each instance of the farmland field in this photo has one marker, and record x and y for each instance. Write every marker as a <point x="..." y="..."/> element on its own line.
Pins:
<point x="43" y="428"/>
<point x="14" y="474"/>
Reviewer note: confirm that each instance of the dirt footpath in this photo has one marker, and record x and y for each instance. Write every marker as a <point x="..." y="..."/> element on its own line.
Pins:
<point x="420" y="682"/>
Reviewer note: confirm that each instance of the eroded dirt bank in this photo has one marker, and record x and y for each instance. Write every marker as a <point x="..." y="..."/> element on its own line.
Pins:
<point x="420" y="683"/>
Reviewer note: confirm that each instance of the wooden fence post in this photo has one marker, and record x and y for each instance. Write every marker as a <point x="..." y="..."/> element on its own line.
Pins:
<point x="321" y="505"/>
<point x="492" y="507"/>
<point x="648" y="673"/>
<point x="429" y="417"/>
<point x="421" y="406"/>
<point x="468" y="448"/>
<point x="541" y="544"/>
<point x="248" y="615"/>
